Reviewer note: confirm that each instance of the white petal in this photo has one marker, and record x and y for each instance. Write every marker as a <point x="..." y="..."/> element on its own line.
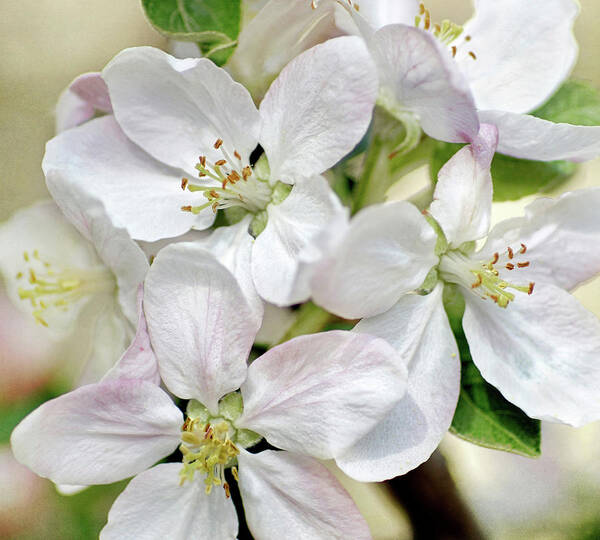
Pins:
<point x="290" y="496"/>
<point x="176" y="109"/>
<point x="383" y="12"/>
<point x="154" y="507"/>
<point x="528" y="137"/>
<point x="524" y="50"/>
<point x="99" y="433"/>
<point x="318" y="108"/>
<point x="42" y="228"/>
<point x="319" y="394"/>
<point x="139" y="360"/>
<point x="277" y="34"/>
<point x="71" y="110"/>
<point x="232" y="246"/>
<point x="462" y="200"/>
<point x="292" y="226"/>
<point x="417" y="327"/>
<point x="119" y="253"/>
<point x="200" y="323"/>
<point x="560" y="236"/>
<point x="417" y="74"/>
<point x="110" y="334"/>
<point x="138" y="192"/>
<point x="541" y="352"/>
<point x="387" y="252"/>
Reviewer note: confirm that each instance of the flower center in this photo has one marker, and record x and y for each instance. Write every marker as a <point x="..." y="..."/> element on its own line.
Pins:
<point x="51" y="287"/>
<point x="208" y="449"/>
<point x="483" y="277"/>
<point x="229" y="181"/>
<point x="446" y="32"/>
<point x="210" y="444"/>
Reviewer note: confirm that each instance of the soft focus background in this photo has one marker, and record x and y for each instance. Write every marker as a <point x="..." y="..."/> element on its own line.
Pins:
<point x="45" y="44"/>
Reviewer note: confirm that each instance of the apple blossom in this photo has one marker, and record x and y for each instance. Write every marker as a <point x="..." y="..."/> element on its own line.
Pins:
<point x="79" y="283"/>
<point x="167" y="112"/>
<point x="527" y="335"/>
<point x="202" y="329"/>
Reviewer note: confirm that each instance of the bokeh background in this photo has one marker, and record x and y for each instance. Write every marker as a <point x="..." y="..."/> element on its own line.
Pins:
<point x="45" y="44"/>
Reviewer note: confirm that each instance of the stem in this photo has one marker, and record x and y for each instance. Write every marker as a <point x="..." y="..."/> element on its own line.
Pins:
<point x="434" y="505"/>
<point x="310" y="319"/>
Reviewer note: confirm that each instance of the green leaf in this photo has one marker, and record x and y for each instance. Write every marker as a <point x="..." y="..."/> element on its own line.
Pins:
<point x="213" y="24"/>
<point x="512" y="178"/>
<point x="575" y="102"/>
<point x="485" y="418"/>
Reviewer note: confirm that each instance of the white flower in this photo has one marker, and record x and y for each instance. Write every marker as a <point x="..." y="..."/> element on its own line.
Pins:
<point x="313" y="397"/>
<point x="80" y="283"/>
<point x="444" y="78"/>
<point x="527" y="335"/>
<point x="177" y="119"/>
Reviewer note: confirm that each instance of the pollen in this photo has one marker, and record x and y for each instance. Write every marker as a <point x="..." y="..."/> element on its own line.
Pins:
<point x="221" y="183"/>
<point x="207" y="449"/>
<point x="48" y="287"/>
<point x="483" y="277"/>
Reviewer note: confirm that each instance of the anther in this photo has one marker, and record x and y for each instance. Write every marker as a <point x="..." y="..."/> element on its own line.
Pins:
<point x="523" y="248"/>
<point x="467" y="38"/>
<point x="510" y="253"/>
<point x="221" y="162"/>
<point x="523" y="264"/>
<point x="246" y="172"/>
<point x="510" y="266"/>
<point x="472" y="55"/>
<point x="237" y="154"/>
<point x="496" y="257"/>
<point x="531" y="285"/>
<point x="187" y="208"/>
<point x="203" y="161"/>
<point x="478" y="282"/>
<point x="453" y="51"/>
<point x="218" y="143"/>
<point x="184" y="183"/>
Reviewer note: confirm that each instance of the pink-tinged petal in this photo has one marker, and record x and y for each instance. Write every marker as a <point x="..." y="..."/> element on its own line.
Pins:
<point x="318" y="108"/>
<point x="282" y="30"/>
<point x="80" y="101"/>
<point x="417" y="327"/>
<point x="528" y="137"/>
<point x="92" y="88"/>
<point x="139" y="360"/>
<point x="155" y="506"/>
<point x="291" y="496"/>
<point x="524" y="51"/>
<point x="386" y="253"/>
<point x="292" y="226"/>
<point x="559" y="236"/>
<point x="462" y="200"/>
<point x="318" y="394"/>
<point x="232" y="246"/>
<point x="541" y="352"/>
<point x="70" y="111"/>
<point x="200" y="323"/>
<point x="99" y="433"/>
<point x="139" y="193"/>
<point x="417" y="74"/>
<point x="175" y="109"/>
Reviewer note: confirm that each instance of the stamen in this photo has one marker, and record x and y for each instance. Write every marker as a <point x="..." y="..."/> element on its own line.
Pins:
<point x="184" y="183"/>
<point x="472" y="55"/>
<point x="218" y="143"/>
<point x="510" y="253"/>
<point x="523" y="248"/>
<point x="523" y="264"/>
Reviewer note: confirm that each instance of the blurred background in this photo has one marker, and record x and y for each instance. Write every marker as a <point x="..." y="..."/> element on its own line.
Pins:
<point x="45" y="44"/>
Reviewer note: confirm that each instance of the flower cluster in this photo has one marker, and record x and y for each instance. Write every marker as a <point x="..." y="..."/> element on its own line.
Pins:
<point x="188" y="198"/>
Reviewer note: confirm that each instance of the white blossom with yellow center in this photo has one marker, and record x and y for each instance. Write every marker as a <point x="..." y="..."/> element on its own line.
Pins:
<point x="202" y="330"/>
<point x="527" y="335"/>
<point x="185" y="123"/>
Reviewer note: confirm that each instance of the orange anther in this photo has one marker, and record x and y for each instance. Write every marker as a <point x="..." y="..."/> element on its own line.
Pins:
<point x="510" y="266"/>
<point x="523" y="248"/>
<point x="510" y="253"/>
<point x="523" y="264"/>
<point x="221" y="162"/>
<point x="472" y="55"/>
<point x="218" y="143"/>
<point x="184" y="183"/>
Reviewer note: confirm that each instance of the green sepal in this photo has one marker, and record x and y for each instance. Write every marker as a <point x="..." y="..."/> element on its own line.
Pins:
<point x="280" y="192"/>
<point x="231" y="406"/>
<point x="197" y="411"/>
<point x="258" y="223"/>
<point x="213" y="24"/>
<point x="484" y="417"/>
